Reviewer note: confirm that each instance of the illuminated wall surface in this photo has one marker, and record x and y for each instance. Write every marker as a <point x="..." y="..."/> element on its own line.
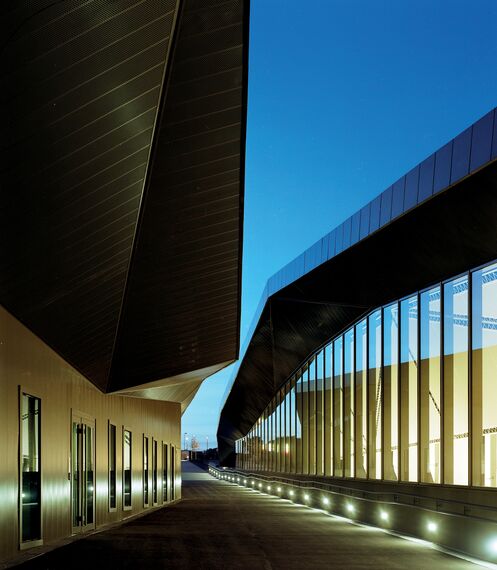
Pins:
<point x="408" y="393"/>
<point x="74" y="459"/>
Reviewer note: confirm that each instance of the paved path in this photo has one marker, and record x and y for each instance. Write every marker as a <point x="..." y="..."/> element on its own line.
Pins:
<point x="221" y="526"/>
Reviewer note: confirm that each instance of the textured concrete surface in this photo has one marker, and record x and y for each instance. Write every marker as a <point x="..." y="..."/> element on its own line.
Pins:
<point x="221" y="526"/>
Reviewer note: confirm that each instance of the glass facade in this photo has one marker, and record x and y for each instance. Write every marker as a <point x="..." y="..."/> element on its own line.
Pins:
<point x="394" y="396"/>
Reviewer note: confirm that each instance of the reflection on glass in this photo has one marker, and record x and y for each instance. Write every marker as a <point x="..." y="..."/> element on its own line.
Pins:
<point x="165" y="468"/>
<point x="338" y="407"/>
<point x="348" y="396"/>
<point x="409" y="388"/>
<point x="484" y="367"/>
<point x="375" y="395"/>
<point x="112" y="466"/>
<point x="361" y="394"/>
<point x="30" y="469"/>
<point x="89" y="476"/>
<point x="145" y="471"/>
<point x="391" y="389"/>
<point x="328" y="410"/>
<point x="430" y="405"/>
<point x="126" y="468"/>
<point x="154" y="472"/>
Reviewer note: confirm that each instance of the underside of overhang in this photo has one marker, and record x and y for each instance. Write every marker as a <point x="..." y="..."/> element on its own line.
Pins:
<point x="122" y="184"/>
<point x="444" y="236"/>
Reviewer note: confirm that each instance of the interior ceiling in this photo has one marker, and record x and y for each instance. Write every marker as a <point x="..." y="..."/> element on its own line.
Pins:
<point x="122" y="182"/>
<point x="444" y="236"/>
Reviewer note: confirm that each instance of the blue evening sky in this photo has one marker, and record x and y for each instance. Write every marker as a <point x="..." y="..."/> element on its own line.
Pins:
<point x="345" y="96"/>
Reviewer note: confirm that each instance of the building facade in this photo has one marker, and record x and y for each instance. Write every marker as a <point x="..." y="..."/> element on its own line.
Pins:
<point x="370" y="367"/>
<point x="121" y="209"/>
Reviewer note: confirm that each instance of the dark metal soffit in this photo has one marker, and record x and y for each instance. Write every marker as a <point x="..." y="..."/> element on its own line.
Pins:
<point x="437" y="221"/>
<point x="82" y="114"/>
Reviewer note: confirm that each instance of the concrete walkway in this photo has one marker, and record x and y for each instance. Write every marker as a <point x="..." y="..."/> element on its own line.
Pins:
<point x="222" y="526"/>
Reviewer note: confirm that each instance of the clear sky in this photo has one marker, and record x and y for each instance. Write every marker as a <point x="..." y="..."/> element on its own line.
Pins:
<point x="345" y="96"/>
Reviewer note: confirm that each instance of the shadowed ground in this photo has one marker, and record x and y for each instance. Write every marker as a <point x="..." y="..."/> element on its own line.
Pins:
<point x="222" y="526"/>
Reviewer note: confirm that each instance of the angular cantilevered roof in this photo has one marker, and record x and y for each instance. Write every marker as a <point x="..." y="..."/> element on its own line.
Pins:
<point x="436" y="221"/>
<point x="123" y="145"/>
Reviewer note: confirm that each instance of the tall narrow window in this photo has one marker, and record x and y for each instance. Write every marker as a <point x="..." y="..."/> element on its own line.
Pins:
<point x="456" y="386"/>
<point x="430" y="405"/>
<point x="146" y="467"/>
<point x="305" y="422"/>
<point x="391" y="389"/>
<point x="375" y="395"/>
<point x="361" y="395"/>
<point x="173" y="473"/>
<point x="484" y="367"/>
<point x="293" y="433"/>
<point x="165" y="472"/>
<point x="328" y="411"/>
<point x="127" y="486"/>
<point x="299" y="395"/>
<point x="409" y="388"/>
<point x="348" y="404"/>
<point x="311" y="398"/>
<point x="30" y="470"/>
<point x="338" y="407"/>
<point x="155" y="491"/>
<point x="320" y="412"/>
<point x="112" y="467"/>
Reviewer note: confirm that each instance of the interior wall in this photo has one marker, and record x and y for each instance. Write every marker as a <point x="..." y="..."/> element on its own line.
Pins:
<point x="30" y="366"/>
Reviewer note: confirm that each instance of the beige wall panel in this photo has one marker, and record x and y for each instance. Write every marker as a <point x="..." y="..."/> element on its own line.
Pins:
<point x="27" y="362"/>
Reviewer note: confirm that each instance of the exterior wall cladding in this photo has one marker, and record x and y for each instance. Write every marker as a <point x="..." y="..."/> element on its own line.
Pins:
<point x="407" y="392"/>
<point x="72" y="458"/>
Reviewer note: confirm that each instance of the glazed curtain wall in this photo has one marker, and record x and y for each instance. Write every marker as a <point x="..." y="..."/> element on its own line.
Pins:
<point x="406" y="394"/>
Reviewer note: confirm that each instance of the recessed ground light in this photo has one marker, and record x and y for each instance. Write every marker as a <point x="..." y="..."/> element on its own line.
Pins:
<point x="432" y="526"/>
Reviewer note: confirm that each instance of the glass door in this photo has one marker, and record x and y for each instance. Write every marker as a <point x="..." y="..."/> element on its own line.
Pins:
<point x="82" y="473"/>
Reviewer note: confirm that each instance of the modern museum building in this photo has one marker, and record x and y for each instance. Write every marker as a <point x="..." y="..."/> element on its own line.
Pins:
<point x="370" y="371"/>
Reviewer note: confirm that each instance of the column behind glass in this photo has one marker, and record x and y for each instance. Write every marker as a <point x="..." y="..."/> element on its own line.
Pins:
<point x="430" y="405"/>
<point x="409" y="388"/>
<point x="328" y="410"/>
<point x="361" y="393"/>
<point x="375" y="396"/>
<point x="349" y="408"/>
<point x="338" y="407"/>
<point x="320" y="412"/>
<point x="484" y="367"/>
<point x="391" y="391"/>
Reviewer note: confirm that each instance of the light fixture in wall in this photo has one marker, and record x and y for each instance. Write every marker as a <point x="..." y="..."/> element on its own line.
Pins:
<point x="306" y="497"/>
<point x="279" y="489"/>
<point x="269" y="487"/>
<point x="326" y="501"/>
<point x="350" y="508"/>
<point x="492" y="546"/>
<point x="432" y="526"/>
<point x="383" y="515"/>
<point x="291" y="493"/>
